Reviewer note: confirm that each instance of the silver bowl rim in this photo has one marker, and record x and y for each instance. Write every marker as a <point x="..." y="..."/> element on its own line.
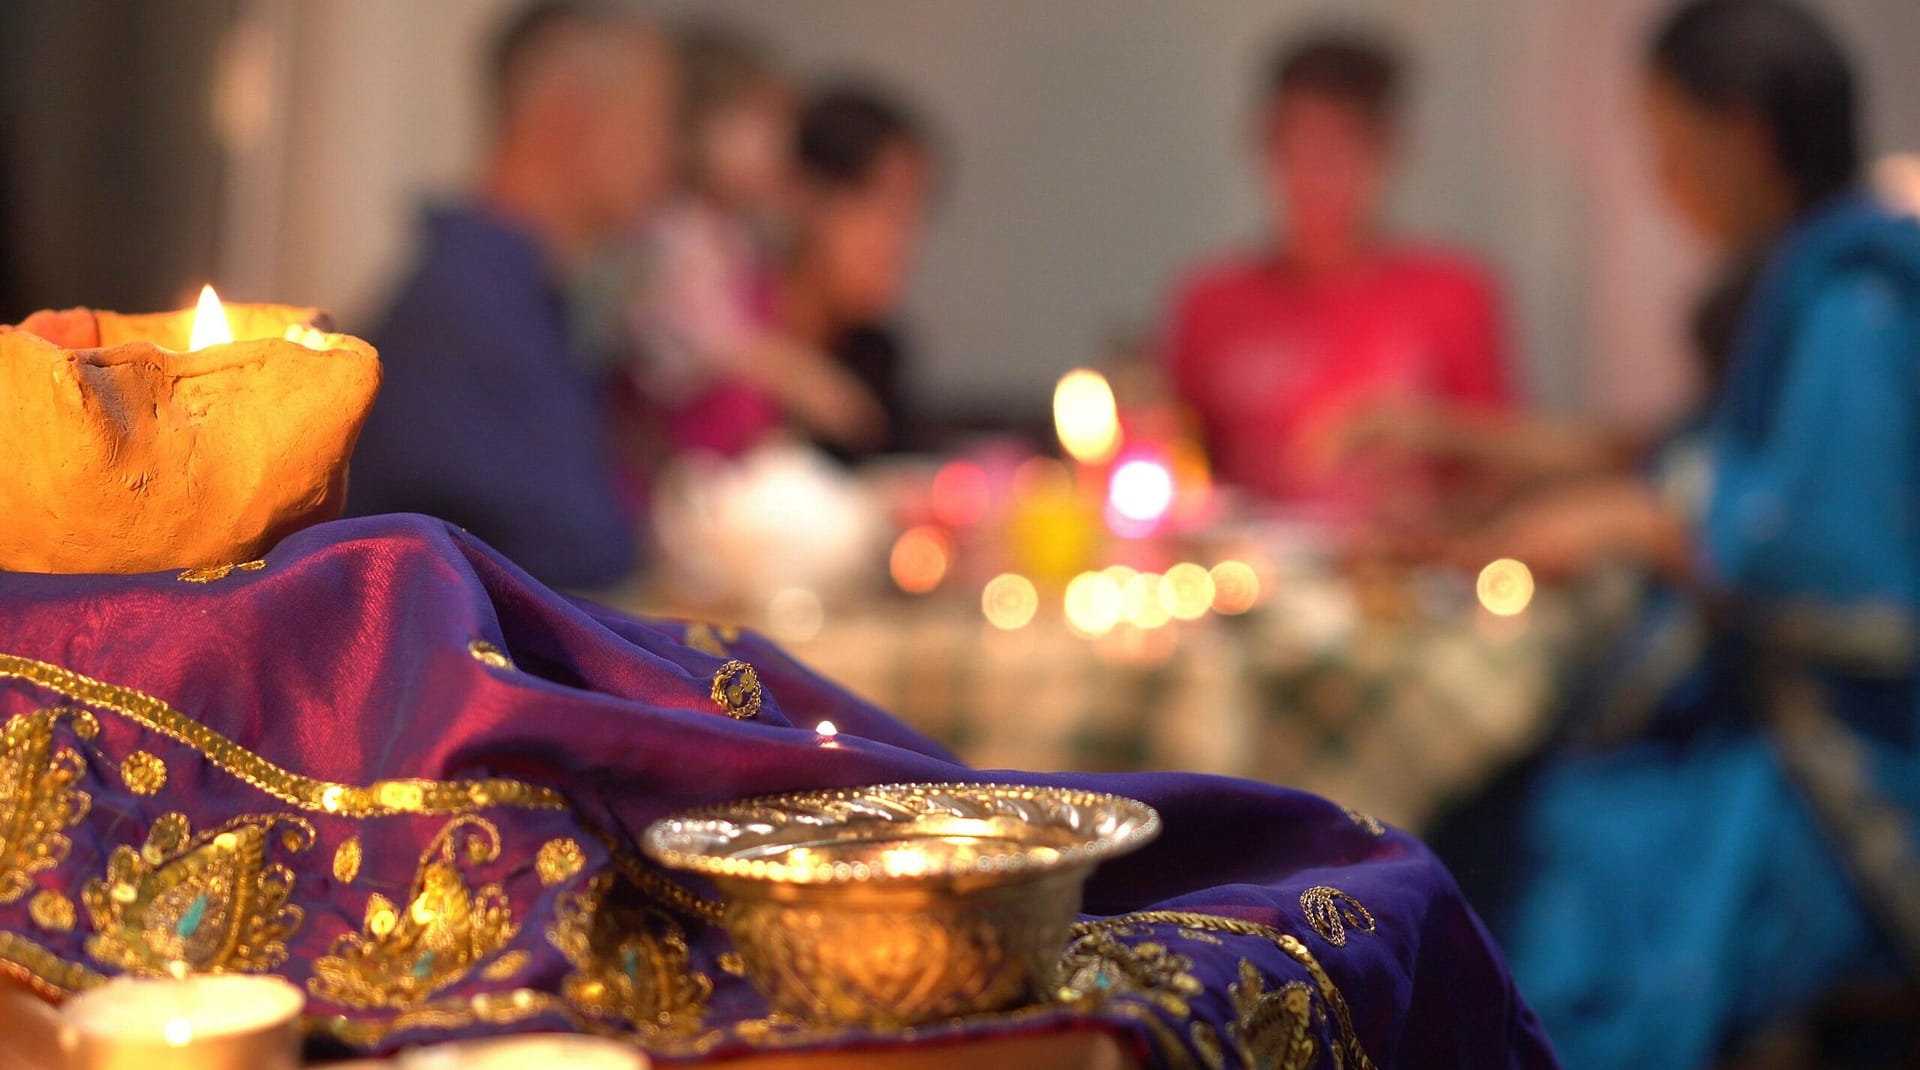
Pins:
<point x="1142" y="826"/>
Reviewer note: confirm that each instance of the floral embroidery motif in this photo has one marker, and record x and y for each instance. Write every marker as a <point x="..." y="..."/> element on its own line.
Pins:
<point x="631" y="963"/>
<point x="1330" y="911"/>
<point x="506" y="966"/>
<point x="38" y="797"/>
<point x="51" y="911"/>
<point x="1206" y="1043"/>
<point x="1273" y="1029"/>
<point x="210" y="573"/>
<point x="736" y="690"/>
<point x="439" y="797"/>
<point x="144" y="773"/>
<point x="558" y="861"/>
<point x="1099" y="966"/>
<point x="211" y="902"/>
<point x="404" y="954"/>
<point x="346" y="860"/>
<point x="489" y="655"/>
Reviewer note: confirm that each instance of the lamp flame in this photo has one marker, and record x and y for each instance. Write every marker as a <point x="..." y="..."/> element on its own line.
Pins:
<point x="210" y="326"/>
<point x="1086" y="417"/>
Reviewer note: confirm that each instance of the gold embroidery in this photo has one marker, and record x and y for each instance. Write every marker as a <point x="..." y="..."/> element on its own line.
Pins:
<point x="41" y="970"/>
<point x="506" y="965"/>
<point x="1273" y="1029"/>
<point x="1206" y="1041"/>
<point x="489" y="655"/>
<point x="1330" y="910"/>
<point x="558" y="861"/>
<point x="144" y="773"/>
<point x="38" y="798"/>
<point x="211" y="901"/>
<point x="1368" y="823"/>
<point x="485" y="1008"/>
<point x="210" y="573"/>
<point x="51" y="911"/>
<point x="731" y="962"/>
<point x="403" y="956"/>
<point x="701" y="637"/>
<point x="736" y="689"/>
<point x="1099" y="965"/>
<point x="346" y="860"/>
<point x="630" y="963"/>
<point x="433" y="797"/>
<point x="1348" y="1048"/>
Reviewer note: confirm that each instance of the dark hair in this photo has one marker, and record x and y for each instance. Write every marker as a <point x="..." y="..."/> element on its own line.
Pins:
<point x="844" y="130"/>
<point x="1774" y="60"/>
<point x="719" y="64"/>
<point x="1349" y="66"/>
<point x="527" y="32"/>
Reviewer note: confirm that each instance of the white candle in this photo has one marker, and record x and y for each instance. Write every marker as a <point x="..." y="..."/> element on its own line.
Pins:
<point x="209" y="1022"/>
<point x="535" y="1050"/>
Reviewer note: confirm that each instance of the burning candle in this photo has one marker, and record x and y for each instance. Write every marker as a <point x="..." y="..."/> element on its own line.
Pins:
<point x="534" y="1050"/>
<point x="206" y="1022"/>
<point x="828" y="733"/>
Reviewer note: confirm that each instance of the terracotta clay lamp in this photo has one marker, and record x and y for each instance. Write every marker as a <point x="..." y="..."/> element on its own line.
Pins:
<point x="173" y="440"/>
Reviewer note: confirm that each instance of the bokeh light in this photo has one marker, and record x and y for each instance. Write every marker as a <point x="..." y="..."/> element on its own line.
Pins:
<point x="1186" y="591"/>
<point x="960" y="494"/>
<point x="1236" y="587"/>
<point x="1141" y="491"/>
<point x="921" y="557"/>
<point x="828" y="733"/>
<point x="1505" y="587"/>
<point x="1093" y="604"/>
<point x="1140" y="601"/>
<point x="1009" y="601"/>
<point x="1085" y="417"/>
<point x="795" y="614"/>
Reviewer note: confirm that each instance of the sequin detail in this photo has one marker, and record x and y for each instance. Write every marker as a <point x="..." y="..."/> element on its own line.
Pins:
<point x="210" y="573"/>
<point x="736" y="690"/>
<point x="39" y="798"/>
<point x="559" y="861"/>
<point x="144" y="773"/>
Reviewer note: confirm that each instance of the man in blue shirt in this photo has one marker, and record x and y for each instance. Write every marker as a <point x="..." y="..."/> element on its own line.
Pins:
<point x="487" y="416"/>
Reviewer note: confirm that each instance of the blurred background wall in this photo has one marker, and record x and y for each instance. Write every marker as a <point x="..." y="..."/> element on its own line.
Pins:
<point x="1099" y="145"/>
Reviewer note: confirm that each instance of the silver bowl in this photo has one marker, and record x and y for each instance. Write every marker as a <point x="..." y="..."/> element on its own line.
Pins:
<point x="902" y="903"/>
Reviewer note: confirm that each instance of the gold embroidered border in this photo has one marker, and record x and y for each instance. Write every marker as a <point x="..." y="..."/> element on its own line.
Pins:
<point x="43" y="971"/>
<point x="402" y="796"/>
<point x="1348" y="1040"/>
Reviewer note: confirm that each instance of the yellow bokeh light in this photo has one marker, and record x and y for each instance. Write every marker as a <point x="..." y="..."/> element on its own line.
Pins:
<point x="210" y="326"/>
<point x="1093" y="604"/>
<point x="1186" y="591"/>
<point x="1505" y="587"/>
<point x="1009" y="601"/>
<point x="1140" y="601"/>
<point x="921" y="556"/>
<point x="1236" y="587"/>
<point x="1085" y="417"/>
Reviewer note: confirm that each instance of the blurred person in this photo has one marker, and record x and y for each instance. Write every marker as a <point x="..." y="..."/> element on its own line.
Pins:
<point x="714" y="361"/>
<point x="486" y="417"/>
<point x="866" y="171"/>
<point x="1729" y="832"/>
<point x="1276" y="349"/>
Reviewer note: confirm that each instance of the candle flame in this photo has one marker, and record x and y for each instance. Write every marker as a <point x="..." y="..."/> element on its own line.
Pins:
<point x="179" y="1032"/>
<point x="826" y="730"/>
<point x="1085" y="417"/>
<point x="209" y="322"/>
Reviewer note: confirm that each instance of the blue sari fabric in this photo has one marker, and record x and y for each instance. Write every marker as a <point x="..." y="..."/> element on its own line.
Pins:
<point x="388" y="765"/>
<point x="1681" y="892"/>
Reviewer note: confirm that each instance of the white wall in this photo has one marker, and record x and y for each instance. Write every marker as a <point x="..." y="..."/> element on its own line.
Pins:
<point x="1100" y="146"/>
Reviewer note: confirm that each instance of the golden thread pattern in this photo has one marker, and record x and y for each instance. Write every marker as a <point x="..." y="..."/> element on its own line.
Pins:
<point x="631" y="964"/>
<point x="405" y="954"/>
<point x="144" y="773"/>
<point x="406" y="796"/>
<point x="51" y="911"/>
<point x="39" y="798"/>
<point x="489" y="655"/>
<point x="212" y="902"/>
<point x="1273" y="1029"/>
<point x="559" y="861"/>
<point x="736" y="690"/>
<point x="1368" y="823"/>
<point x="1331" y="911"/>
<point x="211" y="573"/>
<point x="346" y="860"/>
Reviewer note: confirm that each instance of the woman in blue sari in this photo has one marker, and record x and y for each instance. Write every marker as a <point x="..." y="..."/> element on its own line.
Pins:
<point x="1749" y="845"/>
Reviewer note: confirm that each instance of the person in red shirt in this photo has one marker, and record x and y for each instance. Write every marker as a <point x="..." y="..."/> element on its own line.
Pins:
<point x="1278" y="351"/>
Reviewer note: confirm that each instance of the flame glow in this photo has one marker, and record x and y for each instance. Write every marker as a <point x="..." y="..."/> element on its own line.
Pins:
<point x="1505" y="587"/>
<point x="178" y="1032"/>
<point x="209" y="322"/>
<point x="1085" y="417"/>
<point x="826" y="730"/>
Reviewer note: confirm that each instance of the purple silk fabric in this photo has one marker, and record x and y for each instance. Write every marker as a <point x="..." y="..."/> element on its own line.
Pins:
<point x="348" y="658"/>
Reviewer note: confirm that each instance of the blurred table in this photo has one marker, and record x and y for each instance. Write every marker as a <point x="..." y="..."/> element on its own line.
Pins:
<point x="1390" y="712"/>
